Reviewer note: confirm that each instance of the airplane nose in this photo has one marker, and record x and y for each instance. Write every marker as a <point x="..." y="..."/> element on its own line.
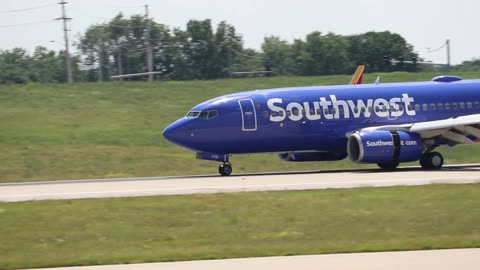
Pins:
<point x="177" y="132"/>
<point x="169" y="132"/>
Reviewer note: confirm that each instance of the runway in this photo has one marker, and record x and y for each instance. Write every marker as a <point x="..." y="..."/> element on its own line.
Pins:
<point x="155" y="186"/>
<point x="465" y="259"/>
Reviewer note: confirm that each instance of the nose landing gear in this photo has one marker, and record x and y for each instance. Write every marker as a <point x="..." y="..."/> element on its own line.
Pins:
<point x="225" y="169"/>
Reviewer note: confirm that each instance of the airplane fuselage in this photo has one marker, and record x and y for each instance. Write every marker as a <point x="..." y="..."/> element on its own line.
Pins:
<point x="316" y="118"/>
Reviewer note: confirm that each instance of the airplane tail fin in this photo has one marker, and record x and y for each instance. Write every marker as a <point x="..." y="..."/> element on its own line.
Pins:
<point x="358" y="75"/>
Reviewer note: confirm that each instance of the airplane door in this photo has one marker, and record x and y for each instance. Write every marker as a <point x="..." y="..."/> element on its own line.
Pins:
<point x="249" y="116"/>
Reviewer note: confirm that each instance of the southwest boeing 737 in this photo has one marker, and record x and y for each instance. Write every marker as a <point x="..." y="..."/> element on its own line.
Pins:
<point x="382" y="123"/>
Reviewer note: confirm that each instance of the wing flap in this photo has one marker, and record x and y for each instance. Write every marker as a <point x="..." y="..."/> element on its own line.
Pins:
<point x="453" y="130"/>
<point x="447" y="123"/>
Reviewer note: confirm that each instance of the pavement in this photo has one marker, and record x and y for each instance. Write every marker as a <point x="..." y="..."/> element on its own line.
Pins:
<point x="464" y="259"/>
<point x="156" y="186"/>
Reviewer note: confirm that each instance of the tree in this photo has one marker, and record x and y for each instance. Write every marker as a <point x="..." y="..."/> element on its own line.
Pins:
<point x="228" y="47"/>
<point x="370" y="48"/>
<point x="277" y="55"/>
<point x="46" y="66"/>
<point x="15" y="66"/>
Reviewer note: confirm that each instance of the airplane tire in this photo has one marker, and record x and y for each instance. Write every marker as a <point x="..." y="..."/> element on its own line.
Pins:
<point x="225" y="169"/>
<point x="432" y="161"/>
<point x="388" y="165"/>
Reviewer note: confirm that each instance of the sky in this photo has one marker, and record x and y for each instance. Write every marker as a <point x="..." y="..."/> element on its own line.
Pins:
<point x="425" y="24"/>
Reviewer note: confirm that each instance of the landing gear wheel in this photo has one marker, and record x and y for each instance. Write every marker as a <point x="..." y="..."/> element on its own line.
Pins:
<point x="432" y="161"/>
<point x="225" y="169"/>
<point x="388" y="165"/>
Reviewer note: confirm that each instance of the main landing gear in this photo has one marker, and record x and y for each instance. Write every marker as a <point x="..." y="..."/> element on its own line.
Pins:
<point x="431" y="161"/>
<point x="225" y="169"/>
<point x="428" y="161"/>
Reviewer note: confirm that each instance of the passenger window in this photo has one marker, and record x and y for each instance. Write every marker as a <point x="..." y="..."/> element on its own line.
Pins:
<point x="370" y="109"/>
<point x="304" y="112"/>
<point x="432" y="107"/>
<point x="334" y="111"/>
<point x="319" y="111"/>
<point x="312" y="112"/>
<point x="469" y="105"/>
<point x="440" y="106"/>
<point x="355" y="110"/>
<point x="340" y="111"/>
<point x="447" y="106"/>
<point x="289" y="113"/>
<point x="326" y="112"/>
<point x="454" y="105"/>
<point x="462" y="105"/>
<point x="384" y="108"/>
<point x="417" y="107"/>
<point x="377" y="109"/>
<point x="280" y="113"/>
<point x="400" y="108"/>
<point x="265" y="114"/>
<point x="295" y="111"/>
<point x="477" y="105"/>
<point x="425" y="107"/>
<point x="363" y="109"/>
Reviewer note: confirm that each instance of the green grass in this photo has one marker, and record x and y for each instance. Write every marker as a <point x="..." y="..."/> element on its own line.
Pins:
<point x="102" y="130"/>
<point x="172" y="228"/>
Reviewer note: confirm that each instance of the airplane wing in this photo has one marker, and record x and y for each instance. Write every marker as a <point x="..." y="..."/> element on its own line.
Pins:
<point x="458" y="130"/>
<point x="358" y="75"/>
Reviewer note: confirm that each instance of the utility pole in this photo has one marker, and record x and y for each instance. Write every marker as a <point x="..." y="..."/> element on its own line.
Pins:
<point x="100" y="55"/>
<point x="119" y="61"/>
<point x="67" y="49"/>
<point x="229" y="60"/>
<point x="228" y="40"/>
<point x="448" y="54"/>
<point x="147" y="45"/>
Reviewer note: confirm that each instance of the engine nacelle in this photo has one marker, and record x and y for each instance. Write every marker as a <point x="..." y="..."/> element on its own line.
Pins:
<point x="312" y="156"/>
<point x="381" y="146"/>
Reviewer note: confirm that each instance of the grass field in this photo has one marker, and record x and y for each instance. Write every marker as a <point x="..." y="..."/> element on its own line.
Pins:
<point x="104" y="130"/>
<point x="168" y="228"/>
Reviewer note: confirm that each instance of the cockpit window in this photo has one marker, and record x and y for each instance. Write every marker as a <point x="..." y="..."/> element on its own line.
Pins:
<point x="192" y="114"/>
<point x="205" y="115"/>
<point x="212" y="114"/>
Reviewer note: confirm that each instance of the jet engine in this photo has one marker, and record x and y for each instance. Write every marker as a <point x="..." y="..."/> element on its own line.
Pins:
<point x="381" y="146"/>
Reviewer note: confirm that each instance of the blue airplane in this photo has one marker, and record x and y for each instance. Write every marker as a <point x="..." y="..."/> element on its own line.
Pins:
<point x="382" y="123"/>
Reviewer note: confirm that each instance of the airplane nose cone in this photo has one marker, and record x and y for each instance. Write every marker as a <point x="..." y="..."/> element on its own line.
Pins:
<point x="177" y="133"/>
<point x="169" y="132"/>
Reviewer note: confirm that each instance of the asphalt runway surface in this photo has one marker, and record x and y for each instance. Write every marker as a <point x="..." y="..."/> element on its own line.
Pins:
<point x="156" y="186"/>
<point x="464" y="259"/>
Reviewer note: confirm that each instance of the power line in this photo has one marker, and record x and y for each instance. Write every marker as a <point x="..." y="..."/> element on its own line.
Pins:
<point x="25" y="24"/>
<point x="246" y="55"/>
<point x="28" y="9"/>
<point x="441" y="47"/>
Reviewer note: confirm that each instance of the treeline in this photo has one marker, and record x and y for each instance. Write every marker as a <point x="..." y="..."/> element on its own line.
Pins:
<point x="200" y="51"/>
